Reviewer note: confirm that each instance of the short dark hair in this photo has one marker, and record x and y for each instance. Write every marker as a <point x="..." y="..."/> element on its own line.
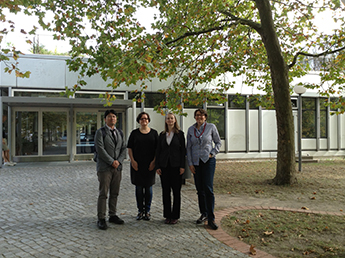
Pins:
<point x="202" y="112"/>
<point x="141" y="114"/>
<point x="109" y="111"/>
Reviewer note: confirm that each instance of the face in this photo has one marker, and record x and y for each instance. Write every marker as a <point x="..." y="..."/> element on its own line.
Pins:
<point x="144" y="120"/>
<point x="199" y="118"/>
<point x="110" y="120"/>
<point x="170" y="120"/>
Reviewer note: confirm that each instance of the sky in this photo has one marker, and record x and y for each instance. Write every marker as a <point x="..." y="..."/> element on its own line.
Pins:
<point x="324" y="22"/>
<point x="45" y="38"/>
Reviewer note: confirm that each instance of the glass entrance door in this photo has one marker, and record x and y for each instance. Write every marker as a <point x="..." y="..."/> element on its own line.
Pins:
<point x="54" y="135"/>
<point x="39" y="132"/>
<point x="27" y="131"/>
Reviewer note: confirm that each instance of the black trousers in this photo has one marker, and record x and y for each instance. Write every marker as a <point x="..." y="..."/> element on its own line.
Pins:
<point x="171" y="182"/>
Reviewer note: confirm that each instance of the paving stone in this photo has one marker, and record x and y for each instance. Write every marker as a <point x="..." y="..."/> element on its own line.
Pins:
<point x="49" y="209"/>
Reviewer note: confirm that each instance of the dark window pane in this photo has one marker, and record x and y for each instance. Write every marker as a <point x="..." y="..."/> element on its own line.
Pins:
<point x="334" y="104"/>
<point x="323" y="124"/>
<point x="153" y="99"/>
<point x="237" y="102"/>
<point x="217" y="117"/>
<point x="308" y="117"/>
<point x="135" y="95"/>
<point x="95" y="95"/>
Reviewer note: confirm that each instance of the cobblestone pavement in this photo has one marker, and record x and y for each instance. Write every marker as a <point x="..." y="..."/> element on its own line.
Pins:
<point x="49" y="210"/>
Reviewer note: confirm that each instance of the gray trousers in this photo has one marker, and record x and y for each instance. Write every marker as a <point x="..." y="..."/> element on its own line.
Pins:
<point x="109" y="182"/>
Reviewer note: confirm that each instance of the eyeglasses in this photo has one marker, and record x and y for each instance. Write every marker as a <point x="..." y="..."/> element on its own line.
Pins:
<point x="199" y="115"/>
<point x="144" y="118"/>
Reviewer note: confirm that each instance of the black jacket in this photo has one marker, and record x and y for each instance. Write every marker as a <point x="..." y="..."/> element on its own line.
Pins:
<point x="174" y="153"/>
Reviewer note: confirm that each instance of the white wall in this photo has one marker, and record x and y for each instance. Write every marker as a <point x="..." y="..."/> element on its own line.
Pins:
<point x="237" y="130"/>
<point x="269" y="130"/>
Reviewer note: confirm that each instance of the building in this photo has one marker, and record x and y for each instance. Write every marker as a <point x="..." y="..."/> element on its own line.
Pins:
<point x="45" y="125"/>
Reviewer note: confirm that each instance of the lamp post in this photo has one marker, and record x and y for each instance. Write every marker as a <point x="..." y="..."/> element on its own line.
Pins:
<point x="299" y="90"/>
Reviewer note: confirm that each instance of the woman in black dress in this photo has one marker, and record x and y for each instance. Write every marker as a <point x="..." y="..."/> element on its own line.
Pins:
<point x="141" y="146"/>
<point x="170" y="161"/>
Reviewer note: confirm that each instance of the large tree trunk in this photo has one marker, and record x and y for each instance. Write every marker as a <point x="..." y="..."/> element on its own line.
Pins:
<point x="286" y="167"/>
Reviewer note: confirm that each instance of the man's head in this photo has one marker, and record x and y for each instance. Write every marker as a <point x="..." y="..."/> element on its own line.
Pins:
<point x="110" y="117"/>
<point x="4" y="118"/>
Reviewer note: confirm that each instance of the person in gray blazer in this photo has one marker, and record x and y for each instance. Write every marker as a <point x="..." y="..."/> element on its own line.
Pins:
<point x="110" y="147"/>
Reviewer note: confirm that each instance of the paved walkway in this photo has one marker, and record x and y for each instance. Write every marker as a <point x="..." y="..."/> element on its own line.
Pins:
<point x="49" y="210"/>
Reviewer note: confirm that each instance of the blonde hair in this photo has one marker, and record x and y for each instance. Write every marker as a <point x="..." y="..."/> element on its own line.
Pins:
<point x="176" y="126"/>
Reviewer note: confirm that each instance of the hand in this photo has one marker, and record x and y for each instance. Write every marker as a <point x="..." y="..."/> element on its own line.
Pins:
<point x="181" y="171"/>
<point x="134" y="165"/>
<point x="159" y="171"/>
<point x="192" y="169"/>
<point x="115" y="164"/>
<point x="152" y="166"/>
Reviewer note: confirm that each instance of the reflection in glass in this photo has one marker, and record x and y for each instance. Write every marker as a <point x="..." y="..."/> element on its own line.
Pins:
<point x="217" y="117"/>
<point x="323" y="118"/>
<point x="54" y="133"/>
<point x="308" y="117"/>
<point x="26" y="133"/>
<point x="86" y="129"/>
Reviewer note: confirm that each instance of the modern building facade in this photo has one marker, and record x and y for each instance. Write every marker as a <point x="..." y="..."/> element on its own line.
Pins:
<point x="45" y="125"/>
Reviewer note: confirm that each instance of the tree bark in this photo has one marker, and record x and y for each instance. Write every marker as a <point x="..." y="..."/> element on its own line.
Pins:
<point x="286" y="166"/>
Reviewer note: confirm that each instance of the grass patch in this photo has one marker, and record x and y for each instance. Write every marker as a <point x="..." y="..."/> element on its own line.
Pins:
<point x="320" y="186"/>
<point x="323" y="181"/>
<point x="289" y="234"/>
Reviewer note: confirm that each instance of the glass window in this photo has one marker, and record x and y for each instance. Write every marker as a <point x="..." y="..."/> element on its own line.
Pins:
<point x="153" y="99"/>
<point x="254" y="101"/>
<point x="39" y="94"/>
<point x="237" y="102"/>
<point x="86" y="129"/>
<point x="54" y="133"/>
<point x="95" y="95"/>
<point x="135" y="95"/>
<point x="334" y="104"/>
<point x="323" y="118"/>
<point x="308" y="117"/>
<point x="26" y="133"/>
<point x="217" y="116"/>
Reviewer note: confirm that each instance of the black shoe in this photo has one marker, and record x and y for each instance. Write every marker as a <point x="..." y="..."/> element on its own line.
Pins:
<point x="101" y="224"/>
<point x="140" y="216"/>
<point x="115" y="219"/>
<point x="212" y="225"/>
<point x="202" y="219"/>
<point x="147" y="216"/>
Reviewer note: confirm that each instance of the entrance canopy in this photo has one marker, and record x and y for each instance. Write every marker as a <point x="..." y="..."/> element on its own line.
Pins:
<point x="67" y="103"/>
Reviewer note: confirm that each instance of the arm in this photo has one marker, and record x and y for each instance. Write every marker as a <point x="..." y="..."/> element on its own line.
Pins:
<point x="158" y="152"/>
<point x="133" y="162"/>
<point x="153" y="162"/>
<point x="217" y="141"/>
<point x="182" y="152"/>
<point x="122" y="154"/>
<point x="100" y="147"/>
<point x="189" y="153"/>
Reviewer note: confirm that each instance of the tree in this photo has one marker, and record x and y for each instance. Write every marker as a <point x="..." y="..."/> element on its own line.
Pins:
<point x="199" y="43"/>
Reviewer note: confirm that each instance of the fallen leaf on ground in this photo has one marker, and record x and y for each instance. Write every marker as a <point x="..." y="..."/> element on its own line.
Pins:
<point x="304" y="208"/>
<point x="252" y="250"/>
<point x="268" y="233"/>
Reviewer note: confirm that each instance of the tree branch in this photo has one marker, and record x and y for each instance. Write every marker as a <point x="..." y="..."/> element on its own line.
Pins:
<point x="235" y="20"/>
<point x="256" y="26"/>
<point x="313" y="55"/>
<point x="196" y="33"/>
